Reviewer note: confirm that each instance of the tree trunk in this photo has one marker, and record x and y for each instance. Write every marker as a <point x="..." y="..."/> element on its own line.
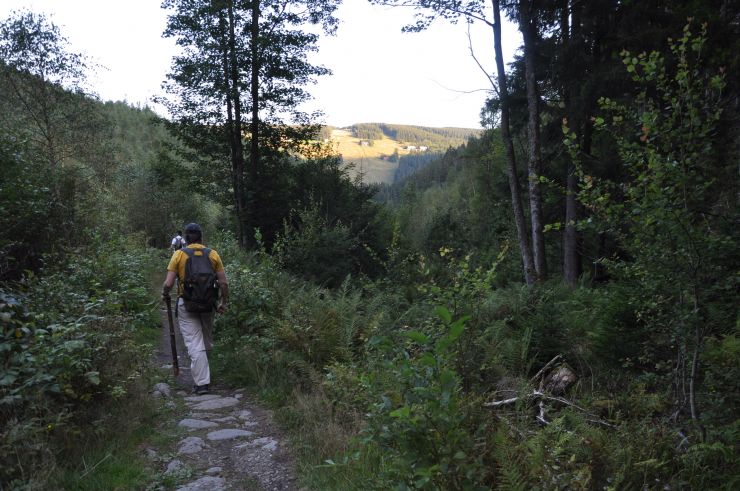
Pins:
<point x="516" y="200"/>
<point x="232" y="131"/>
<point x="242" y="204"/>
<point x="528" y="26"/>
<point x="254" y="156"/>
<point x="571" y="256"/>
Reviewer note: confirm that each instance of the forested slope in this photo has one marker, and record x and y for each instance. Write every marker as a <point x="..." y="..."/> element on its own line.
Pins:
<point x="550" y="304"/>
<point x="436" y="139"/>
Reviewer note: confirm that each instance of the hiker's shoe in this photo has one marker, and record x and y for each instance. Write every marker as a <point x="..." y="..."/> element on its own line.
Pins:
<point x="199" y="390"/>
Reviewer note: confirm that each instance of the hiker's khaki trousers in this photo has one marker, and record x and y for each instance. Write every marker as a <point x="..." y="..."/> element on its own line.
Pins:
<point x="197" y="332"/>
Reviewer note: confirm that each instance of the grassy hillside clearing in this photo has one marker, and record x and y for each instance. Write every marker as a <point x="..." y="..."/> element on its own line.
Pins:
<point x="372" y="159"/>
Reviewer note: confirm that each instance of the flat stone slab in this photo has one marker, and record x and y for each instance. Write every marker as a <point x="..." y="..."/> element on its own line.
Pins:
<point x="191" y="445"/>
<point x="245" y="414"/>
<point x="196" y="424"/>
<point x="226" y="419"/>
<point x="213" y="471"/>
<point x="204" y="415"/>
<point x="206" y="483"/>
<point x="174" y="468"/>
<point x="228" y="434"/>
<point x="265" y="443"/>
<point x="219" y="403"/>
<point x="201" y="398"/>
<point x="163" y="389"/>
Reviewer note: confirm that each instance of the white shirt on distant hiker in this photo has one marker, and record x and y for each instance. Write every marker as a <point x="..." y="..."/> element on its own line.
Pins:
<point x="177" y="242"/>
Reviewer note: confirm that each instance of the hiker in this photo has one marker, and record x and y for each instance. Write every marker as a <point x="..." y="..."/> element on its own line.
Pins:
<point x="177" y="242"/>
<point x="201" y="276"/>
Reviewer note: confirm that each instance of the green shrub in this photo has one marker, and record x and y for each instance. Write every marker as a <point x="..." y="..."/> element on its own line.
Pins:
<point x="421" y="423"/>
<point x="316" y="249"/>
<point x="68" y="350"/>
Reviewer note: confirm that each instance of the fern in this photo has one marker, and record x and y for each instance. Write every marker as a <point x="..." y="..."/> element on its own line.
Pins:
<point x="512" y="478"/>
<point x="512" y="473"/>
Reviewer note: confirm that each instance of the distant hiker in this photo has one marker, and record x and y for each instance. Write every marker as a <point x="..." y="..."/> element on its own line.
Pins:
<point x="201" y="276"/>
<point x="177" y="242"/>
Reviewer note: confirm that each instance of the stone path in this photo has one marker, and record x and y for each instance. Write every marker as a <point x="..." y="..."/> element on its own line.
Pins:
<point x="226" y="441"/>
<point x="229" y="445"/>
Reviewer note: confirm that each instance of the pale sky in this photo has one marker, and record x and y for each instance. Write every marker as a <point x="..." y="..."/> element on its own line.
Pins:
<point x="379" y="73"/>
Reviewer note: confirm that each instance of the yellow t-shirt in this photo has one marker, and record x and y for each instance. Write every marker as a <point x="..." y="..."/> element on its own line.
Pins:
<point x="179" y="258"/>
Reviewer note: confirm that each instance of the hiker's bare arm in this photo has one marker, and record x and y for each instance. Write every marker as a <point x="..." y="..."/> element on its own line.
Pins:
<point x="168" y="282"/>
<point x="223" y="284"/>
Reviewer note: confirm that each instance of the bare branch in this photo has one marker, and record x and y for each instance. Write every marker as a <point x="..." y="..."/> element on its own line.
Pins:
<point x="472" y="54"/>
<point x="460" y="91"/>
<point x="437" y="7"/>
<point x="541" y="416"/>
<point x="541" y="397"/>
<point x="504" y="402"/>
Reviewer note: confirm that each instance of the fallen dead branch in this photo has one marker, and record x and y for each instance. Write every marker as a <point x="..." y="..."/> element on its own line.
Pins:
<point x="541" y="397"/>
<point x="504" y="402"/>
<point x="552" y="383"/>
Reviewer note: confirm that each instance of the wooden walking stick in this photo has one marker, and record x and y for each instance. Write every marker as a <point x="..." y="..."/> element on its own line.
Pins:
<point x="173" y="342"/>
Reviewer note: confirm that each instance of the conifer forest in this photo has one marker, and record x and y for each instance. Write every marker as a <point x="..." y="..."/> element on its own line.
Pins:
<point x="547" y="303"/>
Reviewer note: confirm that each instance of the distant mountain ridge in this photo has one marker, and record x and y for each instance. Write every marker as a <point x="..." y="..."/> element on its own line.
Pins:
<point x="384" y="152"/>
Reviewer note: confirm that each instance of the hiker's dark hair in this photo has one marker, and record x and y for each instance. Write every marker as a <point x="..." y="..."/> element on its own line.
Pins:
<point x="193" y="233"/>
<point x="179" y="232"/>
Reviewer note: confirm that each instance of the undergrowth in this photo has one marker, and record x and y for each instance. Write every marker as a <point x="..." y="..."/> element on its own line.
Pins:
<point x="380" y="389"/>
<point x="76" y="342"/>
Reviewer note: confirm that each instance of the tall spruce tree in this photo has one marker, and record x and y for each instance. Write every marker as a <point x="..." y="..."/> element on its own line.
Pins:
<point x="241" y="76"/>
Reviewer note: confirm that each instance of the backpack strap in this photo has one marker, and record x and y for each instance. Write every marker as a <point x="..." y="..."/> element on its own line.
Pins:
<point x="190" y="252"/>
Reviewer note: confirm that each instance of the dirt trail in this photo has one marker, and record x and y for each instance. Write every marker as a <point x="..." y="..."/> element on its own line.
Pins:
<point x="227" y="443"/>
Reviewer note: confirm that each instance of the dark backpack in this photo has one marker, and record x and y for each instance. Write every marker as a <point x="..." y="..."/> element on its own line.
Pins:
<point x="178" y="243"/>
<point x="200" y="288"/>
